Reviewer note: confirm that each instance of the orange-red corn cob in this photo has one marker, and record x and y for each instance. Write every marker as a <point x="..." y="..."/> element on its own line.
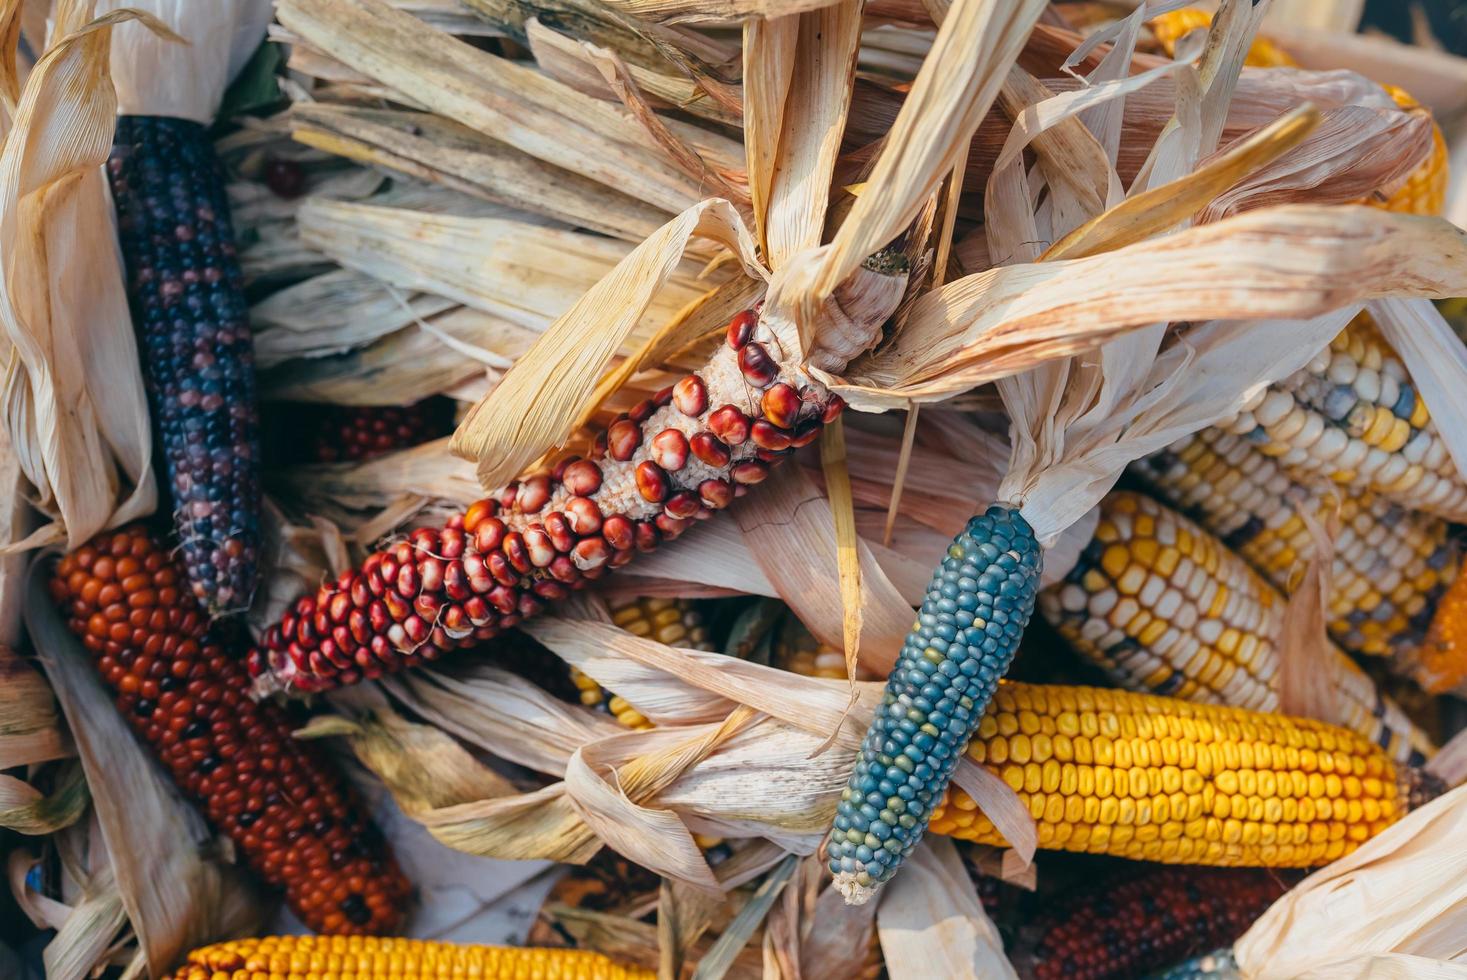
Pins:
<point x="674" y="459"/>
<point x="292" y="816"/>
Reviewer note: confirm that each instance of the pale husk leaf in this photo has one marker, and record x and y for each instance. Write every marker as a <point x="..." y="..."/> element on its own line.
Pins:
<point x="720" y="957"/>
<point x="543" y="396"/>
<point x="73" y="397"/>
<point x="1435" y="78"/>
<point x="175" y="896"/>
<point x="932" y="924"/>
<point x="183" y="76"/>
<point x="712" y="11"/>
<point x="769" y="65"/>
<point x="1436" y="360"/>
<point x="847" y="545"/>
<point x="30" y="731"/>
<point x="1287" y="263"/>
<point x="1402" y="893"/>
<point x="497" y="97"/>
<point x="1308" y="660"/>
<point x="26" y="810"/>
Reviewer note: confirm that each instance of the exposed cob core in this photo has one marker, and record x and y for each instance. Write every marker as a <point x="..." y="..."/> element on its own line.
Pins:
<point x="967" y="631"/>
<point x="369" y="958"/>
<point x="674" y="459"/>
<point x="1163" y="606"/>
<point x="1159" y="779"/>
<point x="1391" y="568"/>
<point x="296" y="822"/>
<point x="185" y="287"/>
<point x="676" y="622"/>
<point x="1116" y="930"/>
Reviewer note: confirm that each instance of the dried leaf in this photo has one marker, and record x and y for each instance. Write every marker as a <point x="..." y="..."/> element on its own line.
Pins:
<point x="704" y="11"/>
<point x="26" y="810"/>
<point x="1305" y="684"/>
<point x="932" y="924"/>
<point x="716" y="962"/>
<point x="847" y="544"/>
<point x="769" y="66"/>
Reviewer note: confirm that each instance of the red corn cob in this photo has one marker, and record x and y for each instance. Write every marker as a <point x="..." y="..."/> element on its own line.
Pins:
<point x="296" y="821"/>
<point x="351" y="433"/>
<point x="1150" y="921"/>
<point x="674" y="459"/>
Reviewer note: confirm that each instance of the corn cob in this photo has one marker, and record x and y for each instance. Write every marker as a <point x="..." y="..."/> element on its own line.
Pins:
<point x="1160" y="779"/>
<point x="1163" y="606"/>
<point x="1391" y="566"/>
<point x="1352" y="416"/>
<point x="186" y="292"/>
<point x="295" y="820"/>
<point x="352" y="433"/>
<point x="371" y="958"/>
<point x="967" y="631"/>
<point x="676" y="622"/>
<point x="1114" y="930"/>
<point x="674" y="459"/>
<point x="1220" y="964"/>
<point x="796" y="649"/>
<point x="1171" y="27"/>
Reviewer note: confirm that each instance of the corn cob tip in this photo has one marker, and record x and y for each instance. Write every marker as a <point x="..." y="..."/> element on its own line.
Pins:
<point x="853" y="890"/>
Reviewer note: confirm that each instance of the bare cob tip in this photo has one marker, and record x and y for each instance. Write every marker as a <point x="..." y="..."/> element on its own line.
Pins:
<point x="1420" y="786"/>
<point x="854" y="889"/>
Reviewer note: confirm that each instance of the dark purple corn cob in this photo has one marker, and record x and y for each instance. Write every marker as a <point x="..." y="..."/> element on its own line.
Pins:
<point x="189" y="308"/>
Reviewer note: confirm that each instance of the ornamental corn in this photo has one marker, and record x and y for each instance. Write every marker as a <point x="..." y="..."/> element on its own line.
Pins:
<point x="675" y="622"/>
<point x="1220" y="964"/>
<point x="1391" y="566"/>
<point x="187" y="297"/>
<point x="1113" y="929"/>
<point x="1352" y="416"/>
<point x="676" y="458"/>
<point x="1163" y="606"/>
<point x="798" y="650"/>
<point x="1159" y="779"/>
<point x="370" y="958"/>
<point x="967" y="631"/>
<point x="292" y="816"/>
<point x="352" y="433"/>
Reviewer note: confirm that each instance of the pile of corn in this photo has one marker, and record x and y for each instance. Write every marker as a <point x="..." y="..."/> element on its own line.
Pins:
<point x="1173" y="800"/>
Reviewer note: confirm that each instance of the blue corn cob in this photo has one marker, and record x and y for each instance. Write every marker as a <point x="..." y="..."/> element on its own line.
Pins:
<point x="977" y="606"/>
<point x="1219" y="964"/>
<point x="189" y="308"/>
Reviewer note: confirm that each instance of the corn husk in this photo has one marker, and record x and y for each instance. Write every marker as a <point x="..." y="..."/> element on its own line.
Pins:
<point x="74" y="403"/>
<point x="1393" y="907"/>
<point x="175" y="894"/>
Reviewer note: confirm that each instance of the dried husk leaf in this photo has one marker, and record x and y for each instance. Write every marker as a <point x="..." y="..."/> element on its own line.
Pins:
<point x="847" y="544"/>
<point x="716" y="963"/>
<point x="711" y="11"/>
<point x="183" y="73"/>
<point x="1307" y="658"/>
<point x="175" y="897"/>
<point x="769" y="66"/>
<point x="30" y="731"/>
<point x="1287" y="262"/>
<point x="73" y="397"/>
<point x="26" y="810"/>
<point x="433" y="148"/>
<point x="542" y="398"/>
<point x="1435" y="358"/>
<point x="932" y="924"/>
<point x="84" y="938"/>
<point x="1401" y="894"/>
<point x="1434" y="78"/>
<point x="497" y="97"/>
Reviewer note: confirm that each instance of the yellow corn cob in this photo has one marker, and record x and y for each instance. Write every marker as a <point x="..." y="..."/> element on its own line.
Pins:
<point x="1168" y="29"/>
<point x="1163" y="606"/>
<point x="1160" y="779"/>
<point x="1352" y="415"/>
<point x="1391" y="565"/>
<point x="372" y="958"/>
<point x="675" y="622"/>
<point x="798" y="650"/>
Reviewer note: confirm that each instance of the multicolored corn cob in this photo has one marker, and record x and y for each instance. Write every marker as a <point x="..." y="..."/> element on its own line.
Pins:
<point x="352" y="433"/>
<point x="1116" y="930"/>
<point x="1220" y="964"/>
<point x="1163" y="606"/>
<point x="798" y="650"/>
<point x="674" y="459"/>
<point x="372" y="958"/>
<point x="1159" y="779"/>
<point x="676" y="622"/>
<point x="294" y="819"/>
<point x="967" y="631"/>
<point x="1169" y="28"/>
<point x="1352" y="416"/>
<point x="188" y="303"/>
<point x="1391" y="567"/>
